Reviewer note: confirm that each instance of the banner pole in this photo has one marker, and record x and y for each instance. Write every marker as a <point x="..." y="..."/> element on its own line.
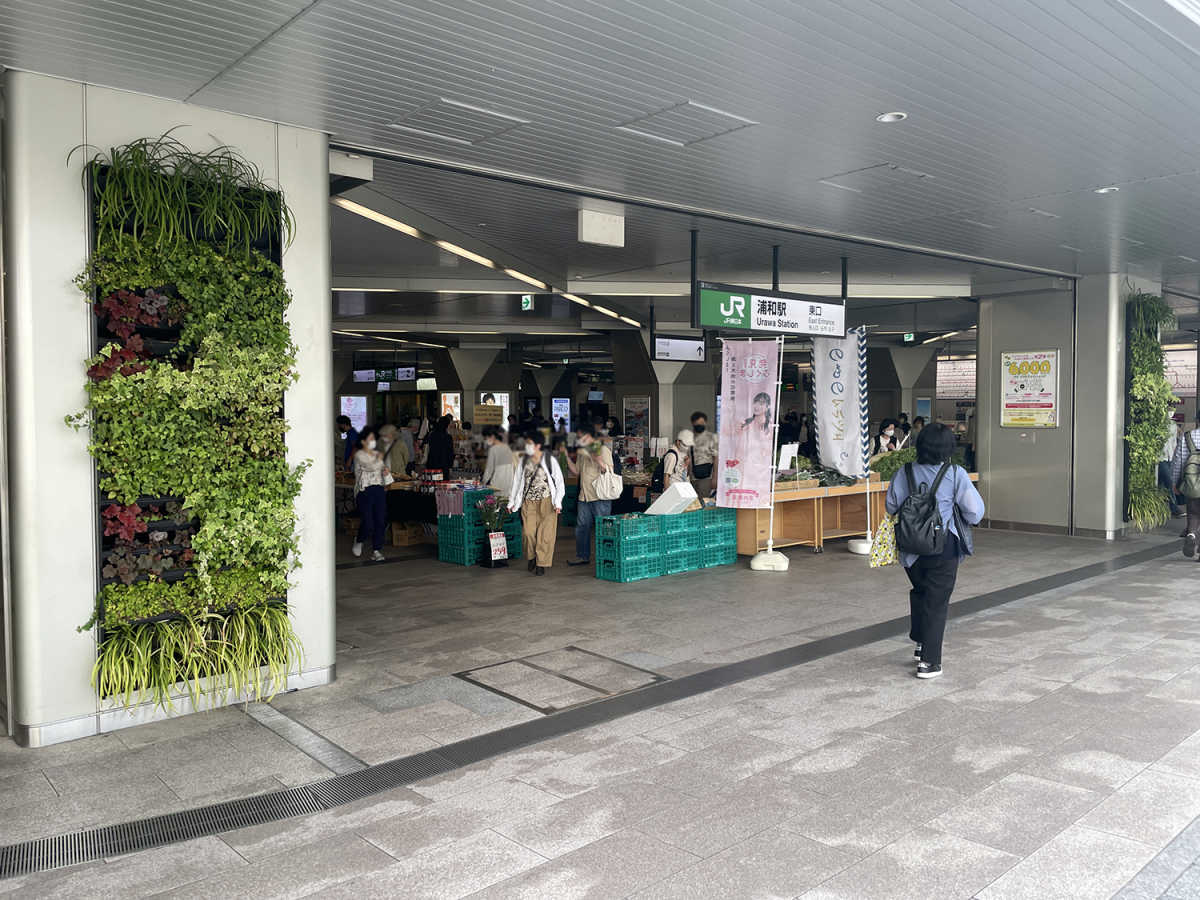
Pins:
<point x="775" y="446"/>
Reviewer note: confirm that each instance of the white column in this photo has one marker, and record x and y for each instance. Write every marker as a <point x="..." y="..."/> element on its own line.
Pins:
<point x="666" y="373"/>
<point x="471" y="365"/>
<point x="52" y="482"/>
<point x="910" y="362"/>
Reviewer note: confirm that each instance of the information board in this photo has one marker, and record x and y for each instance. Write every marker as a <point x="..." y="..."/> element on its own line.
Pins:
<point x="487" y="414"/>
<point x="678" y="349"/>
<point x="496" y="398"/>
<point x="729" y="306"/>
<point x="956" y="379"/>
<point x="1029" y="389"/>
<point x="560" y="409"/>
<point x="1181" y="371"/>
<point x="364" y="374"/>
<point x="452" y="405"/>
<point x="355" y="408"/>
<point x="409" y="374"/>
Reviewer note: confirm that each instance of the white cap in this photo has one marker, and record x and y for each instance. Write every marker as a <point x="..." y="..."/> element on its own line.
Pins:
<point x="686" y="438"/>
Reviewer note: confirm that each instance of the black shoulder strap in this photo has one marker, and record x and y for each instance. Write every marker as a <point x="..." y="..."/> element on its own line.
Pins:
<point x="1191" y="445"/>
<point x="940" y="475"/>
<point x="912" y="482"/>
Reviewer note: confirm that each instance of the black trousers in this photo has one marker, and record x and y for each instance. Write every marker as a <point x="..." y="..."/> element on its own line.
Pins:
<point x="372" y="509"/>
<point x="933" y="579"/>
<point x="1193" y="517"/>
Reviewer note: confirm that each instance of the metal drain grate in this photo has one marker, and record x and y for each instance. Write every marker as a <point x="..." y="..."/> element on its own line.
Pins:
<point x="115" y="840"/>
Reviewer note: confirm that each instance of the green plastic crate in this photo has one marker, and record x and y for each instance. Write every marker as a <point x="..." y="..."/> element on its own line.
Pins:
<point x="719" y="536"/>
<point x="688" y="521"/>
<point x="718" y="556"/>
<point x="623" y="528"/>
<point x="462" y="555"/>
<point x="681" y="561"/>
<point x="627" y="570"/>
<point x="681" y="541"/>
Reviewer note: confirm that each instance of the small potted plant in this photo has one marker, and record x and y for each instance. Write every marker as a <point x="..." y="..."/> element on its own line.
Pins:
<point x="492" y="514"/>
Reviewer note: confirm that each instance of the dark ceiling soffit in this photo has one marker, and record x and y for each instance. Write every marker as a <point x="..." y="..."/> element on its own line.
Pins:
<point x="666" y="206"/>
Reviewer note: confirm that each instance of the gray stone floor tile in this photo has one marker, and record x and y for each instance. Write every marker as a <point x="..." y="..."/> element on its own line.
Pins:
<point x="446" y="687"/>
<point x="838" y="766"/>
<point x="1187" y="886"/>
<point x="1184" y="687"/>
<point x="126" y="796"/>
<point x="921" y="865"/>
<point x="584" y="818"/>
<point x="966" y="764"/>
<point x="1079" y="862"/>
<point x="772" y="864"/>
<point x="297" y="873"/>
<point x="1152" y="808"/>
<point x="272" y="838"/>
<point x="534" y="686"/>
<point x="1004" y="691"/>
<point x="720" y="766"/>
<point x="1088" y="760"/>
<point x="578" y="774"/>
<point x="932" y="723"/>
<point x="450" y="871"/>
<point x="452" y="819"/>
<point x="1017" y="814"/>
<point x="1184" y="759"/>
<point x="25" y="787"/>
<point x="874" y="813"/>
<point x="1061" y="665"/>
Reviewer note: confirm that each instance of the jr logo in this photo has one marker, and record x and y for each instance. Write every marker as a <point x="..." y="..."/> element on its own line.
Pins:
<point x="732" y="305"/>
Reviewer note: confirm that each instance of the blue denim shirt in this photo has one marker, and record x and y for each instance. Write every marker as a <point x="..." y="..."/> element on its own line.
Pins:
<point x="956" y="487"/>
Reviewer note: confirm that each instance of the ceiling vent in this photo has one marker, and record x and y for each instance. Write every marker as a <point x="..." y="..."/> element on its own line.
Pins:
<point x="458" y="123"/>
<point x="685" y="124"/>
<point x="877" y="177"/>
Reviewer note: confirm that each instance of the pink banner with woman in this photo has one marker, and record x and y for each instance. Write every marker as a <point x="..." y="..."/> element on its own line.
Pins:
<point x="745" y="462"/>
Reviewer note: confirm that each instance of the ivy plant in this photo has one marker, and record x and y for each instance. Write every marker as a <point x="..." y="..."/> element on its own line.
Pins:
<point x="1150" y="400"/>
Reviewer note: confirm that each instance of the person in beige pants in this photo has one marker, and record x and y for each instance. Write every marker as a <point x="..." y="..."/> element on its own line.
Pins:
<point x="538" y="491"/>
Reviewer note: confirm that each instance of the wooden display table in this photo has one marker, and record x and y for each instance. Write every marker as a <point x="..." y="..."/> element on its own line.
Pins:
<point x="811" y="516"/>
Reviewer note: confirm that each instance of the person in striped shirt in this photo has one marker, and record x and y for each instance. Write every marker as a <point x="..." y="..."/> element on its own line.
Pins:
<point x="1189" y="442"/>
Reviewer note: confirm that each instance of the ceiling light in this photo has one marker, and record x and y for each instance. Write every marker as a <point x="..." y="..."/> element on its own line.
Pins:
<point x="1134" y="242"/>
<point x="1188" y="258"/>
<point x="425" y="344"/>
<point x="646" y="293"/>
<point x="365" y="290"/>
<point x="575" y="299"/>
<point x="367" y="213"/>
<point x="941" y="337"/>
<point x="447" y="331"/>
<point x="535" y="365"/>
<point x="348" y="333"/>
<point x="1044" y="213"/>
<point x="1111" y="189"/>
<point x="465" y="254"/>
<point x="888" y="117"/>
<point x="629" y="321"/>
<point x="980" y="224"/>
<point x="605" y="311"/>
<point x="528" y="279"/>
<point x="1069" y="247"/>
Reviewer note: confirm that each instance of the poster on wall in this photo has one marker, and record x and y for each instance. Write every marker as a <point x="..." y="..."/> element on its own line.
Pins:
<point x="637" y="416"/>
<point x="745" y="460"/>
<point x="956" y="379"/>
<point x="560" y="410"/>
<point x="452" y="405"/>
<point x="496" y="398"/>
<point x="356" y="409"/>
<point x="840" y="401"/>
<point x="1029" y="389"/>
<point x="487" y="414"/>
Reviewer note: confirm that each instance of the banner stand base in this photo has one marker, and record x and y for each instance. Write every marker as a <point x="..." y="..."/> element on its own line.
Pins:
<point x="769" y="561"/>
<point x="861" y="546"/>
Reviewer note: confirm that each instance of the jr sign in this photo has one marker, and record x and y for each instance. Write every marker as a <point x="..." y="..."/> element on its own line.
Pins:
<point x="751" y="309"/>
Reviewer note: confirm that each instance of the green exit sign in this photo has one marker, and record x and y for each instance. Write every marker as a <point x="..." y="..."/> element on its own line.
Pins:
<point x="909" y="337"/>
<point x="526" y="302"/>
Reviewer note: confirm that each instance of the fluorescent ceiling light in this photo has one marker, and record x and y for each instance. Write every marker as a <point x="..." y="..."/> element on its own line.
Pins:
<point x="365" y="290"/>
<point x="347" y="333"/>
<point x="641" y="293"/>
<point x="1179" y="346"/>
<point x="1135" y="243"/>
<point x="465" y="254"/>
<point x="1044" y="213"/>
<point x="1069" y="247"/>
<point x="978" y="224"/>
<point x="535" y="365"/>
<point x="367" y="213"/>
<point x="575" y="299"/>
<point x="1187" y="258"/>
<point x="1111" y="189"/>
<point x="605" y="311"/>
<point x="629" y="321"/>
<point x="941" y="337"/>
<point x="528" y="279"/>
<point x="889" y="117"/>
<point x="447" y="331"/>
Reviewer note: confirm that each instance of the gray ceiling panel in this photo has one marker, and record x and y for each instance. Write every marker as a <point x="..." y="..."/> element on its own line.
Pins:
<point x="1012" y="105"/>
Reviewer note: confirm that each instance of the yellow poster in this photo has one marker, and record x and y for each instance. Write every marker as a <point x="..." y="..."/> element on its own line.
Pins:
<point x="1029" y="389"/>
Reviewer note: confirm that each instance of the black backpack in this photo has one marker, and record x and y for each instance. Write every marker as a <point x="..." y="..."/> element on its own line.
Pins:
<point x="919" y="526"/>
<point x="656" y="480"/>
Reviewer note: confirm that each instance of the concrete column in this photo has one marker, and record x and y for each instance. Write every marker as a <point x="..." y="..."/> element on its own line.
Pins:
<point x="471" y="365"/>
<point x="49" y="336"/>
<point x="666" y="373"/>
<point x="546" y="380"/>
<point x="910" y="362"/>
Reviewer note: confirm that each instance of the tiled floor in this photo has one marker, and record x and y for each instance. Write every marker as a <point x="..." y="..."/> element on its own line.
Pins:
<point x="1058" y="756"/>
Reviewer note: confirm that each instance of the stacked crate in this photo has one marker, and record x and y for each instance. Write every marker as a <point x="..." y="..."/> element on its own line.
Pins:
<point x="570" y="507"/>
<point x="631" y="548"/>
<point x="462" y="539"/>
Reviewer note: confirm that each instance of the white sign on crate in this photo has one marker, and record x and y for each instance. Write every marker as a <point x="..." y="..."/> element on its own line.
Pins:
<point x="499" y="544"/>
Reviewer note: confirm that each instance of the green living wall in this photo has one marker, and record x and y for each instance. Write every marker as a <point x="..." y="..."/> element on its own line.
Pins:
<point x="1149" y="407"/>
<point x="185" y="411"/>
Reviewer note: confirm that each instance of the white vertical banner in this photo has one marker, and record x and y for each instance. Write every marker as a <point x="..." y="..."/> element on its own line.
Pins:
<point x="749" y="416"/>
<point x="840" y="397"/>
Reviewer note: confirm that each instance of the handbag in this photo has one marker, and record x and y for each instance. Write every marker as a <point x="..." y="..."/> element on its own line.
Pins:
<point x="883" y="548"/>
<point x="609" y="486"/>
<point x="965" y="538"/>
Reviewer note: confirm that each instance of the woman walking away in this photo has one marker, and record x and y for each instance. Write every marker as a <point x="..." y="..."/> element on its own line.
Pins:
<point x="371" y="475"/>
<point x="935" y="504"/>
<point x="537" y="492"/>
<point x="498" y="473"/>
<point x="441" y="447"/>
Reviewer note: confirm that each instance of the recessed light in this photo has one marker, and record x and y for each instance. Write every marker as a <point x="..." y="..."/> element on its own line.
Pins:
<point x="891" y="117"/>
<point x="1188" y="258"/>
<point x="1069" y="247"/>
<point x="1045" y="213"/>
<point x="1111" y="189"/>
<point x="980" y="224"/>
<point x="465" y="254"/>
<point x="528" y="279"/>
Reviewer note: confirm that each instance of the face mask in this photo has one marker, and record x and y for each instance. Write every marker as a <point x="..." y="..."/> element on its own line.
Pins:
<point x="699" y="429"/>
<point x="604" y="431"/>
<point x="889" y="433"/>
<point x="529" y="449"/>
<point x="370" y="444"/>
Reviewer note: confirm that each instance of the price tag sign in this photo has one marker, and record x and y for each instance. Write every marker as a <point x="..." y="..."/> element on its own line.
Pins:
<point x="499" y="545"/>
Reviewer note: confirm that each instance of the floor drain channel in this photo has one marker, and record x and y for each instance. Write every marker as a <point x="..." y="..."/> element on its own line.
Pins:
<point x="77" y="847"/>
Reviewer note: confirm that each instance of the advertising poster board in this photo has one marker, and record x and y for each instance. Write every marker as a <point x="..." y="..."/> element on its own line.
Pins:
<point x="452" y="405"/>
<point x="840" y="401"/>
<point x="495" y="398"/>
<point x="487" y="415"/>
<point x="560" y="408"/>
<point x="637" y="416"/>
<point x="745" y="470"/>
<point x="1029" y="389"/>
<point x="356" y="409"/>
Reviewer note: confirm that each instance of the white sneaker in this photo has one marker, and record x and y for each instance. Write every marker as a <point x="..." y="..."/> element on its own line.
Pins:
<point x="376" y="556"/>
<point x="357" y="548"/>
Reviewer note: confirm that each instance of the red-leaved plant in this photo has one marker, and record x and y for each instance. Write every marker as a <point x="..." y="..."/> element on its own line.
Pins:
<point x="124" y="310"/>
<point x="126" y="360"/>
<point x="123" y="521"/>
